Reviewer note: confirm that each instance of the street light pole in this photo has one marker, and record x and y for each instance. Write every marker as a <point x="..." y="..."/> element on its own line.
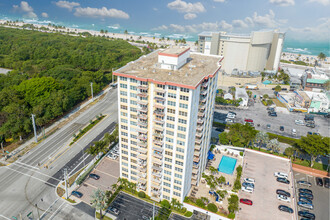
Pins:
<point x="37" y="211"/>
<point x="66" y="182"/>
<point x="34" y="128"/>
<point x="92" y="90"/>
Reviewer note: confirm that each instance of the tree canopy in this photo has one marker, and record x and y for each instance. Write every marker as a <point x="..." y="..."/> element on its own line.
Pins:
<point x="51" y="73"/>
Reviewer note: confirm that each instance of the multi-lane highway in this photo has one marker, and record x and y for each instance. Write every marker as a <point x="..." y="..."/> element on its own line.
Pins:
<point x="26" y="183"/>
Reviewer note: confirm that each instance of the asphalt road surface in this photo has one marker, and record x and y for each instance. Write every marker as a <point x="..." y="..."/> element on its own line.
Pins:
<point x="25" y="185"/>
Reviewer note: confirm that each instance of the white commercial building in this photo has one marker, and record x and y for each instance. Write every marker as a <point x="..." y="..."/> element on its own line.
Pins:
<point x="254" y="52"/>
<point x="241" y="93"/>
<point x="166" y="102"/>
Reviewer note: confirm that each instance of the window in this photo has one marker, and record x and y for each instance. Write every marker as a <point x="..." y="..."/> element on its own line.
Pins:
<point x="125" y="175"/>
<point x="123" y="93"/>
<point x="124" y="158"/>
<point x="124" y="152"/>
<point x="133" y="116"/>
<point x="178" y="176"/>
<point x="167" y="178"/>
<point x="179" y="156"/>
<point x="180" y="143"/>
<point x="178" y="163"/>
<point x="123" y="114"/>
<point x="124" y="107"/>
<point x="166" y="190"/>
<point x="181" y="136"/>
<point x="183" y="97"/>
<point x="133" y="109"/>
<point x="133" y="136"/>
<point x="133" y="178"/>
<point x="183" y="113"/>
<point x="132" y="87"/>
<point x="123" y="78"/>
<point x="133" y="172"/>
<point x="168" y="166"/>
<point x="182" y="121"/>
<point x="177" y="182"/>
<point x="124" y="86"/>
<point x="144" y="83"/>
<point x="177" y="194"/>
<point x="171" y="103"/>
<point x="160" y="94"/>
<point x="133" y="102"/>
<point x="169" y="110"/>
<point x="183" y="106"/>
<point x="170" y="118"/>
<point x="166" y="197"/>
<point x="125" y="164"/>
<point x="169" y="140"/>
<point x="133" y="80"/>
<point x="134" y="149"/>
<point x="133" y="123"/>
<point x="133" y="167"/>
<point x="167" y="172"/>
<point x="124" y="127"/>
<point x="170" y="132"/>
<point x="125" y="170"/>
<point x="177" y="188"/>
<point x="168" y="159"/>
<point x="160" y="86"/>
<point x="167" y="184"/>
<point x="124" y="146"/>
<point x="170" y="125"/>
<point x="172" y="95"/>
<point x="184" y="89"/>
<point x="178" y="169"/>
<point x="123" y="100"/>
<point x="168" y="153"/>
<point x="124" y="134"/>
<point x="179" y="149"/>
<point x="133" y="142"/>
<point x="133" y="155"/>
<point x="169" y="146"/>
<point x="180" y="128"/>
<point x="172" y="87"/>
<point x="123" y="120"/>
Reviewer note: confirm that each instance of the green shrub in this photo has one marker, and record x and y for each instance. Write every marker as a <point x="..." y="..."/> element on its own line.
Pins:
<point x="239" y="171"/>
<point x="141" y="194"/>
<point x="231" y="215"/>
<point x="183" y="210"/>
<point x="241" y="154"/>
<point x="237" y="184"/>
<point x="186" y="199"/>
<point x="165" y="203"/>
<point x="211" y="207"/>
<point x="200" y="203"/>
<point x="188" y="214"/>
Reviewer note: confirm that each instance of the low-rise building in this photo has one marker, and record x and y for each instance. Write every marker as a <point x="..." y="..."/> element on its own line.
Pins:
<point x="242" y="94"/>
<point x="319" y="102"/>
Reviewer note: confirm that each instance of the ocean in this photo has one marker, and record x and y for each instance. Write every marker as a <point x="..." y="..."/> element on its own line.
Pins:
<point x="290" y="45"/>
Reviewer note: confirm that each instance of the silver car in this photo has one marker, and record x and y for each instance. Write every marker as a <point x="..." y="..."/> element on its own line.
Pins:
<point x="305" y="205"/>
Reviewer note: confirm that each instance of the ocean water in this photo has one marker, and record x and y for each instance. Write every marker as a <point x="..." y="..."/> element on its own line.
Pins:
<point x="292" y="46"/>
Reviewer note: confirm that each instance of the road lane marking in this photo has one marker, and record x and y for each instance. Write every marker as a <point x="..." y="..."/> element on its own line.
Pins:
<point x="27" y="165"/>
<point x="20" y="166"/>
<point x="4" y="217"/>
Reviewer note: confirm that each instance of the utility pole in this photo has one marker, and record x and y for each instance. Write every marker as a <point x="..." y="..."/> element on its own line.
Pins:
<point x="34" y="129"/>
<point x="92" y="91"/>
<point x="66" y="182"/>
<point x="37" y="211"/>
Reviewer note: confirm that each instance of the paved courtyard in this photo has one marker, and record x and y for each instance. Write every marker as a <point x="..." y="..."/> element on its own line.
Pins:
<point x="108" y="170"/>
<point x="261" y="167"/>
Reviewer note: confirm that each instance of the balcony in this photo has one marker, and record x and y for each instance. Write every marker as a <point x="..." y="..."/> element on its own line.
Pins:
<point x="157" y="174"/>
<point x="159" y="105"/>
<point x="158" y="98"/>
<point x="143" y="87"/>
<point x="204" y="93"/>
<point x="156" y="186"/>
<point x="142" y="156"/>
<point x="158" y="168"/>
<point x="157" y="161"/>
<point x="199" y="135"/>
<point x="160" y="149"/>
<point x="205" y="84"/>
<point x="142" y="150"/>
<point x="142" y="130"/>
<point x="144" y="95"/>
<point x="196" y="159"/>
<point x="194" y="177"/>
<point x="142" y="144"/>
<point x="193" y="182"/>
<point x="142" y="187"/>
<point x="142" y="169"/>
<point x="143" y="181"/>
<point x="142" y="123"/>
<point x="158" y="156"/>
<point x="201" y="114"/>
<point x="160" y="90"/>
<point x="142" y="102"/>
<point x="155" y="192"/>
<point x="202" y="100"/>
<point x="157" y="181"/>
<point x="143" y="109"/>
<point x="195" y="171"/>
<point x="197" y="147"/>
<point x="201" y="107"/>
<point x="200" y="128"/>
<point x="143" y="164"/>
<point x="160" y="143"/>
<point x="159" y="113"/>
<point x="159" y="120"/>
<point x="158" y="135"/>
<point x="142" y="137"/>
<point x="195" y="166"/>
<point x="200" y="121"/>
<point x="198" y="141"/>
<point x="142" y="116"/>
<point x="159" y="127"/>
<point x="196" y="153"/>
<point x="142" y="175"/>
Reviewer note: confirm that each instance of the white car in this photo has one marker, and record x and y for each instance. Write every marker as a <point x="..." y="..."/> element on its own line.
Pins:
<point x="283" y="198"/>
<point x="280" y="174"/>
<point x="247" y="189"/>
<point x="294" y="131"/>
<point x="249" y="180"/>
<point x="299" y="122"/>
<point x="229" y="120"/>
<point x="231" y="116"/>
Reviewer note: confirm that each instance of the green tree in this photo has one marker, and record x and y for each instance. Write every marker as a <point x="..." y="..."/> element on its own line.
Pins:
<point x="211" y="207"/>
<point x="289" y="151"/>
<point x="233" y="203"/>
<point x="99" y="200"/>
<point x="261" y="138"/>
<point x="213" y="170"/>
<point x="223" y="139"/>
<point x="273" y="145"/>
<point x="278" y="88"/>
<point x="321" y="56"/>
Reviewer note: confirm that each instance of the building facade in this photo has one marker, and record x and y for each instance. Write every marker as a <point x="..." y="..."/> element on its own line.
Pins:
<point x="255" y="52"/>
<point x="166" y="103"/>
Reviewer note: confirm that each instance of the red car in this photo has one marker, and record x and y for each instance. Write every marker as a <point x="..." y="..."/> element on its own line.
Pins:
<point x="248" y="120"/>
<point x="246" y="201"/>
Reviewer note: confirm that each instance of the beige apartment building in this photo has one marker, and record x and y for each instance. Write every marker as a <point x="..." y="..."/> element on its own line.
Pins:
<point x="166" y="103"/>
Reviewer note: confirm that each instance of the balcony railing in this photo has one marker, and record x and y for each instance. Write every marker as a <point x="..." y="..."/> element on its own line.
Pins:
<point x="205" y="84"/>
<point x="158" y="120"/>
<point x="201" y="114"/>
<point x="196" y="159"/>
<point x="142" y="144"/>
<point x="201" y="107"/>
<point x="200" y="121"/>
<point x="142" y="102"/>
<point x="157" y="174"/>
<point x="142" y="187"/>
<point x="156" y="186"/>
<point x="142" y="175"/>
<point x="160" y="149"/>
<point x="142" y="150"/>
<point x="204" y="93"/>
<point x="159" y="105"/>
<point x="143" y="181"/>
<point x="156" y="168"/>
<point x="142" y="169"/>
<point x="156" y="180"/>
<point x="155" y="192"/>
<point x="199" y="135"/>
<point x="142" y="116"/>
<point x="162" y="99"/>
<point x="195" y="171"/>
<point x="142" y="156"/>
<point x="142" y="130"/>
<point x="200" y="128"/>
<point x="198" y="141"/>
<point x="158" y="135"/>
<point x="142" y="137"/>
<point x="159" y="113"/>
<point x="142" y="123"/>
<point x="203" y="100"/>
<point x="197" y="148"/>
<point x="144" y="110"/>
<point x="160" y="143"/>
<point x="194" y="177"/>
<point x="160" y="90"/>
<point x="141" y="94"/>
<point x="143" y="87"/>
<point x="159" y="156"/>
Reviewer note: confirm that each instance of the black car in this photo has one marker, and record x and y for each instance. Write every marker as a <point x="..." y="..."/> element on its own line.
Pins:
<point x="94" y="176"/>
<point x="305" y="191"/>
<point x="77" y="194"/>
<point x="306" y="214"/>
<point x="307" y="195"/>
<point x="273" y="114"/>
<point x="304" y="199"/>
<point x="319" y="181"/>
<point x="281" y="128"/>
<point x="326" y="181"/>
<point x="283" y="193"/>
<point x="285" y="208"/>
<point x="309" y="118"/>
<point x="219" y="129"/>
<point x="282" y="180"/>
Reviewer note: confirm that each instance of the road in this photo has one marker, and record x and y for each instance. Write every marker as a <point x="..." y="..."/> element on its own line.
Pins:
<point x="24" y="184"/>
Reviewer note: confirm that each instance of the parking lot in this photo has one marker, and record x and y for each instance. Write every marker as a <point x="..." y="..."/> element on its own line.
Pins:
<point x="321" y="196"/>
<point x="259" y="115"/>
<point x="132" y="208"/>
<point x="261" y="167"/>
<point x="108" y="170"/>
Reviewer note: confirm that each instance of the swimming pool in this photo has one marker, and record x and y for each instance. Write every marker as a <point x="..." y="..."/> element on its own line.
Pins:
<point x="227" y="165"/>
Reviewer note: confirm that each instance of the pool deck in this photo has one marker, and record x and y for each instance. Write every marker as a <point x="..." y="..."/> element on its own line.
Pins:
<point x="203" y="188"/>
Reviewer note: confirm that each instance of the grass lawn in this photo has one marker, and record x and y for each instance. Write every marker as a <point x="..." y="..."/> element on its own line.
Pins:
<point x="73" y="177"/>
<point x="278" y="103"/>
<point x="60" y="191"/>
<point x="104" y="217"/>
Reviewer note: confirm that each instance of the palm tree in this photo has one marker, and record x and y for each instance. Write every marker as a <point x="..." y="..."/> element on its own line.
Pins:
<point x="273" y="145"/>
<point x="321" y="56"/>
<point x="114" y="187"/>
<point x="99" y="200"/>
<point x="261" y="138"/>
<point x="213" y="170"/>
<point x="174" y="203"/>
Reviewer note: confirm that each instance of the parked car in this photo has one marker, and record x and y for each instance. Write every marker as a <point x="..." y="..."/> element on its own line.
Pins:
<point x="233" y="113"/>
<point x="94" y="176"/>
<point x="294" y="131"/>
<point x="282" y="192"/>
<point x="220" y="129"/>
<point x="280" y="174"/>
<point x="248" y="120"/>
<point x="305" y="191"/>
<point x="249" y="180"/>
<point x="310" y="125"/>
<point x="309" y="118"/>
<point x="309" y="133"/>
<point x="306" y="214"/>
<point x="299" y="122"/>
<point x="114" y="210"/>
<point x="304" y="183"/>
<point x="304" y="199"/>
<point x="282" y="180"/>
<point x="283" y="198"/>
<point x="305" y="205"/>
<point x="281" y="128"/>
<point x="247" y="189"/>
<point x="268" y="126"/>
<point x="246" y="201"/>
<point x="77" y="194"/>
<point x="245" y="184"/>
<point x="231" y="116"/>
<point x="285" y="208"/>
<point x="272" y="114"/>
<point x="307" y="195"/>
<point x="229" y="120"/>
<point x="326" y="181"/>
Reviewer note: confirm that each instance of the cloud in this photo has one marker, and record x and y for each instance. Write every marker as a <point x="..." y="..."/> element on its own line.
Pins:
<point x="266" y="21"/>
<point x="283" y="3"/>
<point x="184" y="7"/>
<point x="100" y="13"/>
<point x="44" y="15"/>
<point x="67" y="5"/>
<point x="155" y="9"/>
<point x="196" y="28"/>
<point x="26" y="9"/>
<point x="323" y="2"/>
<point x="219" y="0"/>
<point x="190" y="16"/>
<point x="239" y="24"/>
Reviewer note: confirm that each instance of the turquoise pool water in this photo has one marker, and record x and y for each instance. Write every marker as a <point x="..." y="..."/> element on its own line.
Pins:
<point x="227" y="165"/>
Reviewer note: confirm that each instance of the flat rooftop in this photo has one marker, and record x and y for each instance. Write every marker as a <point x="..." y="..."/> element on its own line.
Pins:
<point x="261" y="167"/>
<point x="190" y="74"/>
<point x="175" y="51"/>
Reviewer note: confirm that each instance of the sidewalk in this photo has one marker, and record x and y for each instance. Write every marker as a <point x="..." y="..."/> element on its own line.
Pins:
<point x="310" y="171"/>
<point x="54" y="125"/>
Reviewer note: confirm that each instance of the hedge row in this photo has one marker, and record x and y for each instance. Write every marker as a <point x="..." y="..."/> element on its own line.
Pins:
<point x="282" y="139"/>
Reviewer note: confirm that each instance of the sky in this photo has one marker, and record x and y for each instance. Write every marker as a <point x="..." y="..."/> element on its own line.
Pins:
<point x="300" y="19"/>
